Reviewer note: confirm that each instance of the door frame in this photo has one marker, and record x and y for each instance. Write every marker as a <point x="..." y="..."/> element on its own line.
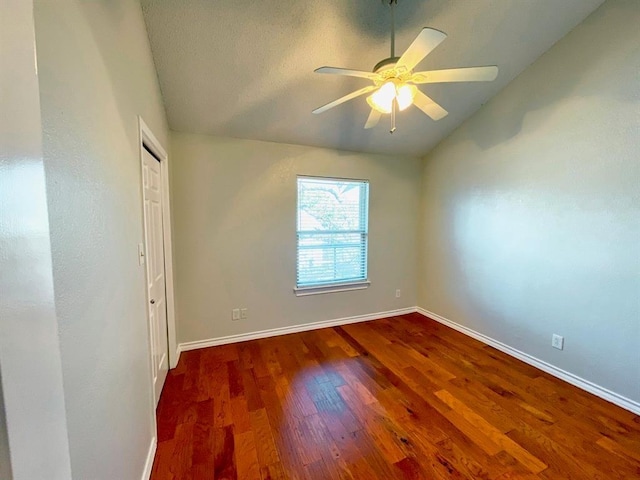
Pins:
<point x="148" y="139"/>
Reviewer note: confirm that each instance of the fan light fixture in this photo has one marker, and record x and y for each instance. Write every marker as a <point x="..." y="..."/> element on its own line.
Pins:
<point x="382" y="100"/>
<point x="394" y="81"/>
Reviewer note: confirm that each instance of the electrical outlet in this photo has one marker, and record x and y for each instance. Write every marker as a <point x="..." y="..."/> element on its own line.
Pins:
<point x="243" y="313"/>
<point x="398" y="293"/>
<point x="557" y="341"/>
<point x="235" y="314"/>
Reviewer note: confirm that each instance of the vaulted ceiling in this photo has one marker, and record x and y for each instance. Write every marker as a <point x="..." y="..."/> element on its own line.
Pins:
<point x="244" y="68"/>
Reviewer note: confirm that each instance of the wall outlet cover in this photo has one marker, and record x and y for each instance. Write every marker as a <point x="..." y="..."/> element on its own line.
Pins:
<point x="557" y="341"/>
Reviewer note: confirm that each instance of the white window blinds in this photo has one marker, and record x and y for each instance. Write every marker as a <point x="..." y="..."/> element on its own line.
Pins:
<point x="332" y="231"/>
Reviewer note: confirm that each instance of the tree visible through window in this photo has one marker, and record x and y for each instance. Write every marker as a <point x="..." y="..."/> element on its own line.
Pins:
<point x="332" y="231"/>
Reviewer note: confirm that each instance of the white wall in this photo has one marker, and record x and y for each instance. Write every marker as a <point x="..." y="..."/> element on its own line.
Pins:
<point x="5" y="453"/>
<point x="531" y="209"/>
<point x="234" y="210"/>
<point x="96" y="76"/>
<point x="33" y="429"/>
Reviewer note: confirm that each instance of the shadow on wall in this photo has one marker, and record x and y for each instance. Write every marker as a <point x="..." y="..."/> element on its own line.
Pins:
<point x="591" y="61"/>
<point x="372" y="18"/>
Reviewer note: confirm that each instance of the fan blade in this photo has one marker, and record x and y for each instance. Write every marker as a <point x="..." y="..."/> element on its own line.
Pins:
<point x="428" y="106"/>
<point x="425" y="42"/>
<point x="466" y="74"/>
<point x="347" y="72"/>
<point x="374" y="118"/>
<point x="346" y="98"/>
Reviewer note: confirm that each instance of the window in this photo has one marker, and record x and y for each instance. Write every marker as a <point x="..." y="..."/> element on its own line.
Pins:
<point x="332" y="234"/>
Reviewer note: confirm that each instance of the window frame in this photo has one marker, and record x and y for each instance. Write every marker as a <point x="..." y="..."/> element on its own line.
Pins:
<point x="332" y="287"/>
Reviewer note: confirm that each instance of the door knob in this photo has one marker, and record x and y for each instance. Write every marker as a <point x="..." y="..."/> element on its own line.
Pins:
<point x="152" y="301"/>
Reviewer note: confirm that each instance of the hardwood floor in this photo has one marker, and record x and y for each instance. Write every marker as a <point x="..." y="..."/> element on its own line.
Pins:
<point x="399" y="398"/>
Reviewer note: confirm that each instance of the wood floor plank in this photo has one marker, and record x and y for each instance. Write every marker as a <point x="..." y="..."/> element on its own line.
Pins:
<point x="251" y="392"/>
<point x="240" y="415"/>
<point x="246" y="455"/>
<point x="411" y="469"/>
<point x="615" y="447"/>
<point x="473" y="433"/>
<point x="224" y="454"/>
<point x="273" y="472"/>
<point x="203" y="435"/>
<point x="560" y="462"/>
<point x="535" y="465"/>
<point x="267" y="452"/>
<point x="467" y="462"/>
<point x="373" y="424"/>
<point x="236" y="387"/>
<point x="398" y="398"/>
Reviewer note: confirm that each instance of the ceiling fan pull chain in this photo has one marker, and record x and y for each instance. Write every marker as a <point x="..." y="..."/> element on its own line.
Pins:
<point x="393" y="116"/>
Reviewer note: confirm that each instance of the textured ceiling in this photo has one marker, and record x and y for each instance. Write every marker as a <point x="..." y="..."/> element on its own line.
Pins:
<point x="244" y="68"/>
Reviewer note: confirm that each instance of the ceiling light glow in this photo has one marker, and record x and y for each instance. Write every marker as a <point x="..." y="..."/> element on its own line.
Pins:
<point x="382" y="99"/>
<point x="404" y="96"/>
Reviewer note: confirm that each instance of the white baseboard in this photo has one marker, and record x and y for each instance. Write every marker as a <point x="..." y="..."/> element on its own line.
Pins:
<point x="568" y="377"/>
<point x="148" y="465"/>
<point x="177" y="356"/>
<point x="212" y="342"/>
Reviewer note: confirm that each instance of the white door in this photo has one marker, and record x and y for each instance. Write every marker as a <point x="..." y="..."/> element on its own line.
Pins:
<point x="152" y="184"/>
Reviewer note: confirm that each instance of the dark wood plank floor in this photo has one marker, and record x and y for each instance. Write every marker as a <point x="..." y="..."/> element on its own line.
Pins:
<point x="403" y="397"/>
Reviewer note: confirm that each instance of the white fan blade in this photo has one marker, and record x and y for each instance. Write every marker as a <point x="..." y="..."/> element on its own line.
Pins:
<point x="466" y="74"/>
<point x="425" y="42"/>
<point x="347" y="72"/>
<point x="374" y="118"/>
<point x="428" y="106"/>
<point x="346" y="98"/>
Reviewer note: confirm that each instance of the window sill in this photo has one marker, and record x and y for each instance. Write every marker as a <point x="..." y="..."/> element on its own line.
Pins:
<point x="336" y="287"/>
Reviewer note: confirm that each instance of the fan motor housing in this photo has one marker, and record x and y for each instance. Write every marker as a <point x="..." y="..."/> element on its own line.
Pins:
<point x="385" y="64"/>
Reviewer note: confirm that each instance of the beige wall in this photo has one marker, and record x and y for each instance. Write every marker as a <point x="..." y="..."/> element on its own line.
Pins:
<point x="33" y="430"/>
<point x="531" y="209"/>
<point x="234" y="210"/>
<point x="5" y="453"/>
<point x="96" y="75"/>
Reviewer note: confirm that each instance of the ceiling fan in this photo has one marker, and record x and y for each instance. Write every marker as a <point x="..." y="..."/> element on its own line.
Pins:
<point x="394" y="81"/>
